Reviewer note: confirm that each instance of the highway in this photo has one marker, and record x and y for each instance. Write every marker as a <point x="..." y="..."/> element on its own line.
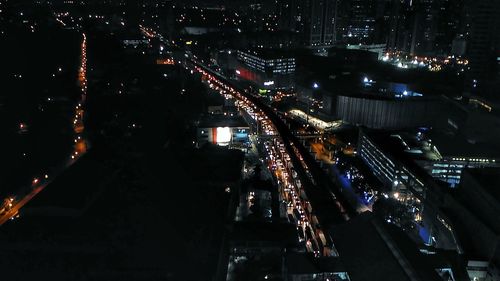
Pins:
<point x="303" y="187"/>
<point x="329" y="204"/>
<point x="314" y="203"/>
<point x="312" y="198"/>
<point x="291" y="191"/>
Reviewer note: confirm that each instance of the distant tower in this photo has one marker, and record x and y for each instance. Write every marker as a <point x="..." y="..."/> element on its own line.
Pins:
<point x="169" y="21"/>
<point x="319" y="23"/>
<point x="401" y="25"/>
<point x="290" y="14"/>
<point x="314" y="19"/>
<point x="361" y="21"/>
<point x="424" y="27"/>
<point x="483" y="46"/>
<point x="450" y="26"/>
<point x="383" y="11"/>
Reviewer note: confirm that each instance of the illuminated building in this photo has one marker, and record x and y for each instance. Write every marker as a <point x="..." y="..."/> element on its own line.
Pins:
<point x="267" y="61"/>
<point x="442" y="156"/>
<point x="361" y="25"/>
<point x="223" y="130"/>
<point x="384" y="153"/>
<point x="464" y="218"/>
<point x="267" y="68"/>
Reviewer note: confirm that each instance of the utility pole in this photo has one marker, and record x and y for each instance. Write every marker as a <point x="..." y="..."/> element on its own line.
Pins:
<point x="308" y="110"/>
<point x="315" y="86"/>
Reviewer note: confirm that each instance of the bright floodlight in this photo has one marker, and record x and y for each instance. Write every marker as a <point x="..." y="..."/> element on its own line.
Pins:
<point x="315" y="85"/>
<point x="366" y="80"/>
<point x="223" y="135"/>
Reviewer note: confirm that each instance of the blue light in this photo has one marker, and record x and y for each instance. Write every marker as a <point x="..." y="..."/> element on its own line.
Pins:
<point x="424" y="234"/>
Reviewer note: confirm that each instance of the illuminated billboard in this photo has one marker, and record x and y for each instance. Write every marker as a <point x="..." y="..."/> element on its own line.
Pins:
<point x="223" y="136"/>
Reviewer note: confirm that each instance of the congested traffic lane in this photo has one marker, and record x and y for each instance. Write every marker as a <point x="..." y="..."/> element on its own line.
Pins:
<point x="291" y="192"/>
<point x="322" y="196"/>
<point x="327" y="207"/>
<point x="299" y="209"/>
<point x="329" y="204"/>
<point x="278" y="161"/>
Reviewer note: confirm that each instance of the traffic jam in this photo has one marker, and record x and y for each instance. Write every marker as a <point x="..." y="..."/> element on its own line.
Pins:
<point x="298" y="208"/>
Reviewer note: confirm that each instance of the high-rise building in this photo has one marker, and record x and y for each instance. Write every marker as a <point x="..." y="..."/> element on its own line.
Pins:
<point x="401" y="25"/>
<point x="450" y="26"/>
<point x="286" y="11"/>
<point x="382" y="26"/>
<point x="361" y="24"/>
<point x="269" y="69"/>
<point x="424" y="27"/>
<point x="436" y="24"/>
<point x="315" y="19"/>
<point x="365" y="21"/>
<point x="320" y="27"/>
<point x="483" y="46"/>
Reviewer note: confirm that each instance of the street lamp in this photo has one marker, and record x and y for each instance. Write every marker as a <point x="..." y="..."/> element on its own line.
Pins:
<point x="315" y="87"/>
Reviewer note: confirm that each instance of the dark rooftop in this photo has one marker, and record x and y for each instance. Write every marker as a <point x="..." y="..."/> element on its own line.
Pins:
<point x="364" y="252"/>
<point x="58" y="194"/>
<point x="213" y="164"/>
<point x="488" y="179"/>
<point x="306" y="263"/>
<point x="220" y="120"/>
<point x="268" y="54"/>
<point x="142" y="226"/>
<point x="264" y="233"/>
<point x="457" y="145"/>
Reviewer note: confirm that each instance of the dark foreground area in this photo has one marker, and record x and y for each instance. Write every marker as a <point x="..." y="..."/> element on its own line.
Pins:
<point x="142" y="204"/>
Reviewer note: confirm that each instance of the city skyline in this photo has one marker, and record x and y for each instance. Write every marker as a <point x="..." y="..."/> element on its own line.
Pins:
<point x="279" y="140"/>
